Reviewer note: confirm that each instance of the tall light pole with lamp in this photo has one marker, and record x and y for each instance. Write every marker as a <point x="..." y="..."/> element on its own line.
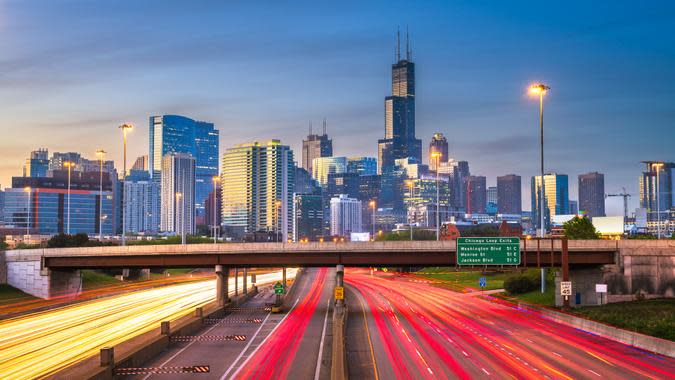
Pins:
<point x="437" y="157"/>
<point x="181" y="218"/>
<point x="277" y="206"/>
<point x="410" y="184"/>
<point x="101" y="153"/>
<point x="126" y="127"/>
<point x="658" y="166"/>
<point x="540" y="89"/>
<point x="372" y="205"/>
<point x="215" y="208"/>
<point x="69" y="165"/>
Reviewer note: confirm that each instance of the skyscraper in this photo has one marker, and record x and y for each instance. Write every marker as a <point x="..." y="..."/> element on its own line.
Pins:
<point x="141" y="203"/>
<point x="459" y="173"/>
<point x="658" y="196"/>
<point x="345" y="215"/>
<point x="323" y="166"/>
<point x="307" y="217"/>
<point x="438" y="144"/>
<point x="592" y="194"/>
<point x="509" y="198"/>
<point x="315" y="146"/>
<point x="556" y="198"/>
<point x="179" y="134"/>
<point x="362" y="165"/>
<point x="399" y="115"/>
<point x="476" y="194"/>
<point x="178" y="194"/>
<point x="37" y="165"/>
<point x="491" y="200"/>
<point x="141" y="163"/>
<point x="257" y="188"/>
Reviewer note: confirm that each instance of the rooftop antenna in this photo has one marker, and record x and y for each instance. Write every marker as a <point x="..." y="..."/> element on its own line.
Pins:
<point x="324" y="126"/>
<point x="408" y="51"/>
<point x="398" y="44"/>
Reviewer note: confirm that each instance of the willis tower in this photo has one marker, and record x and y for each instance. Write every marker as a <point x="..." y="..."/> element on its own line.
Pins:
<point x="399" y="114"/>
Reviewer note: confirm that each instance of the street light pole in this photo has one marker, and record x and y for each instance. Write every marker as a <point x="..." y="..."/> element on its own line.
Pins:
<point x="100" y="153"/>
<point x="215" y="218"/>
<point x="69" y="165"/>
<point x="437" y="156"/>
<point x="410" y="219"/>
<point x="541" y="89"/>
<point x="180" y="218"/>
<point x="124" y="127"/>
<point x="372" y="214"/>
<point x="28" y="190"/>
<point x="658" y="165"/>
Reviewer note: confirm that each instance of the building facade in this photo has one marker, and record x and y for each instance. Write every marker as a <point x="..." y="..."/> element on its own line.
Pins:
<point x="141" y="203"/>
<point x="178" y="134"/>
<point x="509" y="196"/>
<point x="362" y="165"/>
<point x="556" y="197"/>
<point x="257" y="188"/>
<point x="178" y="194"/>
<point x="307" y="217"/>
<point x="37" y="165"/>
<point x="345" y="216"/>
<point x="592" y="194"/>
<point x="438" y="144"/>
<point x="315" y="146"/>
<point x="491" y="200"/>
<point x="476" y="194"/>
<point x="323" y="166"/>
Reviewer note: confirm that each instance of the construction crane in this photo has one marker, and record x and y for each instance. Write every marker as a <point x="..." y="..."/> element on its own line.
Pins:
<point x="625" y="196"/>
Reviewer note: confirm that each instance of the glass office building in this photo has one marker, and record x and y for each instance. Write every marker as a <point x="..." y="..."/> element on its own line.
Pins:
<point x="179" y="134"/>
<point x="556" y="197"/>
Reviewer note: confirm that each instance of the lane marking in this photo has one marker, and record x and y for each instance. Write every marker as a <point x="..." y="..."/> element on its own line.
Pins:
<point x="257" y="348"/>
<point x="599" y="358"/>
<point x="370" y="343"/>
<point x="595" y="373"/>
<point x="323" y="336"/>
<point x="556" y="354"/>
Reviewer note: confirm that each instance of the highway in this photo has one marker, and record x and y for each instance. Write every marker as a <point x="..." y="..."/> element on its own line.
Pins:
<point x="290" y="345"/>
<point x="401" y="328"/>
<point x="39" y="344"/>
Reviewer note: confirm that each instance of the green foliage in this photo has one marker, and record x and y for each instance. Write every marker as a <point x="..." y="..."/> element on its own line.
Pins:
<point x="405" y="235"/>
<point x="522" y="283"/>
<point x="642" y="237"/>
<point x="64" y="240"/>
<point x="580" y="228"/>
<point x="479" y="231"/>
<point x="3" y="246"/>
<point x="172" y="240"/>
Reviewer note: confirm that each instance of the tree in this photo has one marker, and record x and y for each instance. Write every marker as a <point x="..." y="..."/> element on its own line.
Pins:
<point x="580" y="228"/>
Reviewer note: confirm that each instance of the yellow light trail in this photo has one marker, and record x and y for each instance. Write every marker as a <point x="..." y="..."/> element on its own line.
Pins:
<point x="39" y="344"/>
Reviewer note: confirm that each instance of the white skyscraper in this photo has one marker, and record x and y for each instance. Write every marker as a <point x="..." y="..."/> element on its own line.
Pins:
<point x="141" y="204"/>
<point x="178" y="194"/>
<point x="345" y="215"/>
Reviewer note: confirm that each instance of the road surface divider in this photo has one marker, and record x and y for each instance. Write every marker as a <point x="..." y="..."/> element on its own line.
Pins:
<point x="134" y="352"/>
<point x="641" y="341"/>
<point x="338" y="369"/>
<point x="161" y="370"/>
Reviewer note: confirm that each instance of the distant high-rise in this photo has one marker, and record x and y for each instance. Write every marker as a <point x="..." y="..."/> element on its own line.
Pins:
<point x="141" y="203"/>
<point x="491" y="200"/>
<point x="438" y="144"/>
<point x="179" y="134"/>
<point x="664" y="201"/>
<point x="476" y="194"/>
<point x="257" y="188"/>
<point x="574" y="207"/>
<point x="362" y="165"/>
<point x="459" y="173"/>
<point x="141" y="163"/>
<point x="308" y="217"/>
<point x="345" y="215"/>
<point x="399" y="119"/>
<point x="178" y="194"/>
<point x="556" y="198"/>
<point x="315" y="146"/>
<point x="509" y="199"/>
<point x="213" y="204"/>
<point x="592" y="194"/>
<point x="37" y="165"/>
<point x="369" y="190"/>
<point x="323" y="166"/>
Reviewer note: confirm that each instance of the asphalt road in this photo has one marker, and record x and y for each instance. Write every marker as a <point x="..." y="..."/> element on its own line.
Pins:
<point x="290" y="345"/>
<point x="404" y="329"/>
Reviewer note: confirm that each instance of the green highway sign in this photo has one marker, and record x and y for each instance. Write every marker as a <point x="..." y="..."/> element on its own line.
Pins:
<point x="488" y="251"/>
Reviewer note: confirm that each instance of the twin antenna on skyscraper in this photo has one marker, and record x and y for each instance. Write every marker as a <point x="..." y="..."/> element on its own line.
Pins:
<point x="408" y="50"/>
<point x="324" y="126"/>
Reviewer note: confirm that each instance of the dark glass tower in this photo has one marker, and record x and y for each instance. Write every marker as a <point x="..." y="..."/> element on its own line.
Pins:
<point x="399" y="115"/>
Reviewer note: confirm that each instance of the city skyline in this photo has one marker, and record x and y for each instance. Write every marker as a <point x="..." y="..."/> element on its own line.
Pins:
<point x="494" y="130"/>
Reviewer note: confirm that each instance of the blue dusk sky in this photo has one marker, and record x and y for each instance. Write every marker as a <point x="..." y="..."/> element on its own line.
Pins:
<point x="71" y="71"/>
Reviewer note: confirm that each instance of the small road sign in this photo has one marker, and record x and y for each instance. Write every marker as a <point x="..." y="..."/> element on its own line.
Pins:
<point x="204" y="338"/>
<point x="278" y="288"/>
<point x="488" y="251"/>
<point x="161" y="370"/>
<point x="601" y="288"/>
<point x="566" y="288"/>
<point x="482" y="282"/>
<point x="339" y="293"/>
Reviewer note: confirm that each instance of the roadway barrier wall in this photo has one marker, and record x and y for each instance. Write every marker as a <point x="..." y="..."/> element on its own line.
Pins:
<point x="339" y="370"/>
<point x="645" y="342"/>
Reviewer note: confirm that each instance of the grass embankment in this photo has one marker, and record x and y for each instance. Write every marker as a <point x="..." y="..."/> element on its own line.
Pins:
<point x="10" y="294"/>
<point x="650" y="317"/>
<point x="462" y="280"/>
<point x="92" y="279"/>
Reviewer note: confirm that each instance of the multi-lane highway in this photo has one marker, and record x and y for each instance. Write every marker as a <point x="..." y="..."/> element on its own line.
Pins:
<point x="292" y="345"/>
<point x="402" y="328"/>
<point x="38" y="344"/>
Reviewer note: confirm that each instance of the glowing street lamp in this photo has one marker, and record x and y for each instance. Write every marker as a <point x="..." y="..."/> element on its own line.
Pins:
<point x="28" y="190"/>
<point x="410" y="184"/>
<point x="69" y="165"/>
<point x="540" y="90"/>
<point x="126" y="127"/>
<point x="215" y="218"/>
<point x="657" y="166"/>
<point x="372" y="205"/>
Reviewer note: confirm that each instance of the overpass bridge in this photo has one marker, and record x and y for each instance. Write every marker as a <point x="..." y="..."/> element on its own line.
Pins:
<point x="625" y="265"/>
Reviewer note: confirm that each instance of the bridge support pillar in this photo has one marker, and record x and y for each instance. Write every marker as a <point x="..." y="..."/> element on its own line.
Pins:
<point x="222" y="285"/>
<point x="339" y="281"/>
<point x="245" y="281"/>
<point x="236" y="282"/>
<point x="283" y="277"/>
